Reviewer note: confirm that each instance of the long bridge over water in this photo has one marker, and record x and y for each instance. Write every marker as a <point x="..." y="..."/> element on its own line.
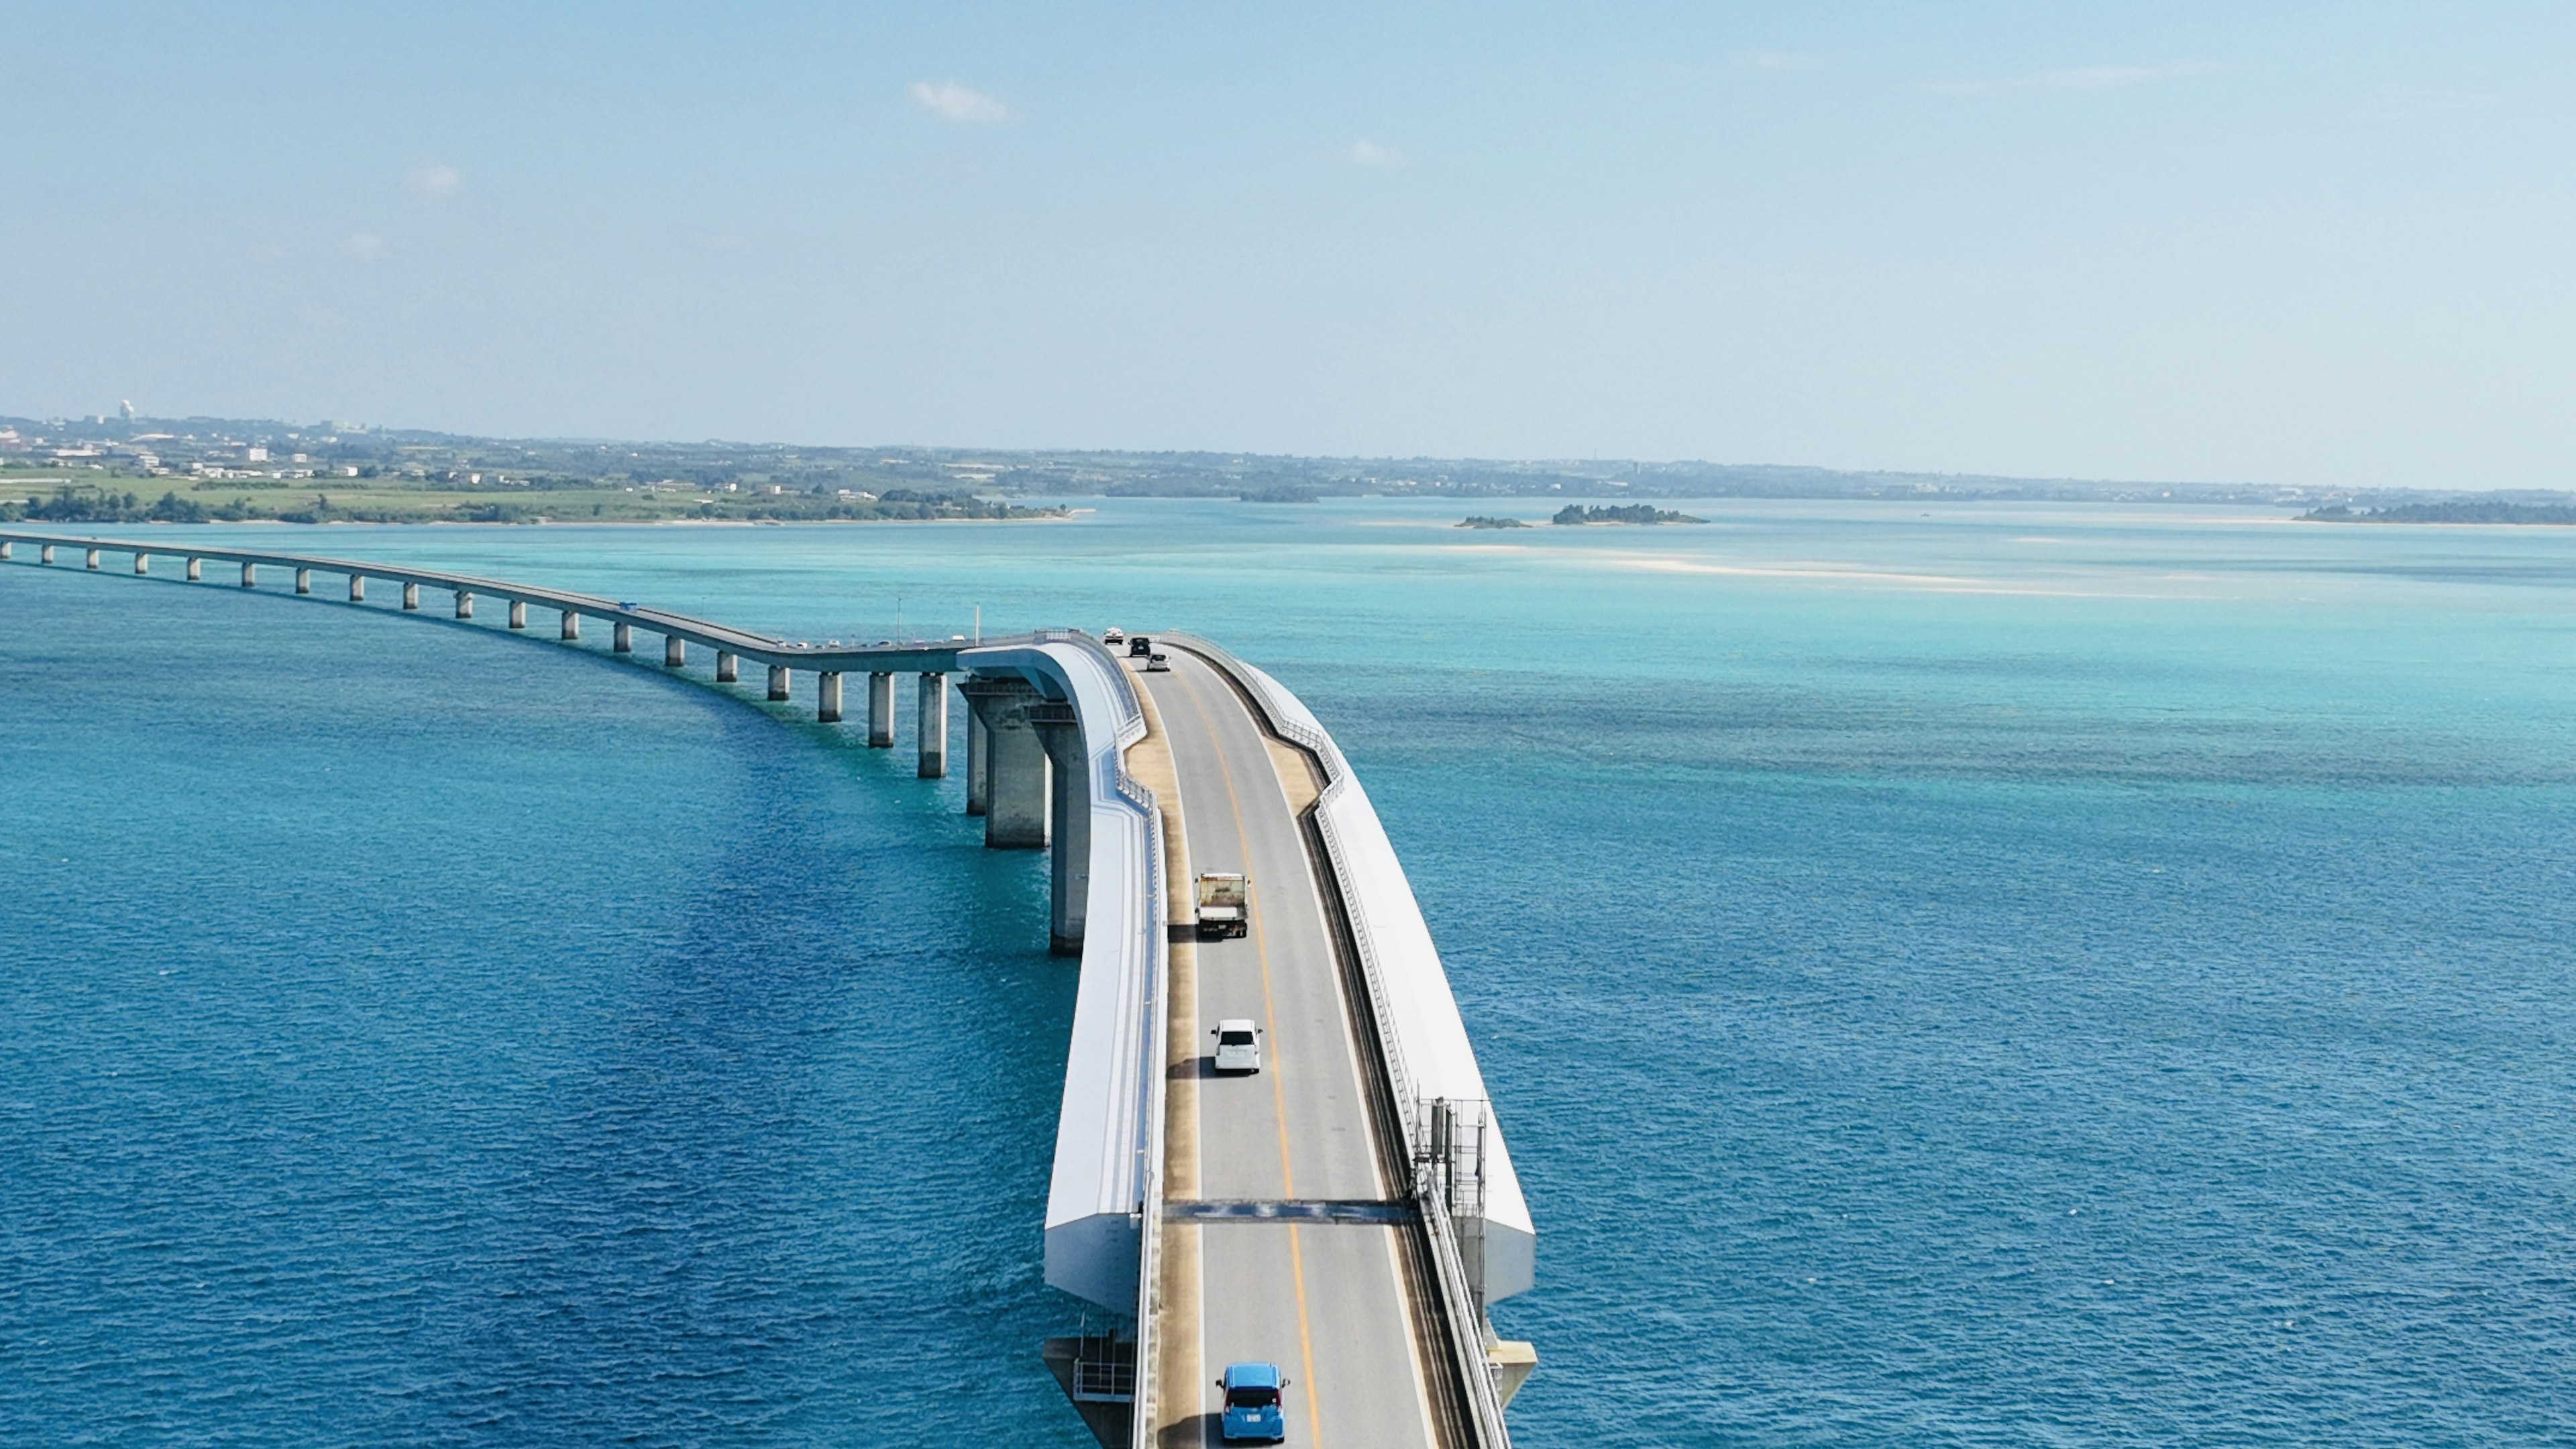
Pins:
<point x="1348" y="1213"/>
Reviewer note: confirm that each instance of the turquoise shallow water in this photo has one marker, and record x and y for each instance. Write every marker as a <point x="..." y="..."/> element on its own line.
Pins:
<point x="1985" y="975"/>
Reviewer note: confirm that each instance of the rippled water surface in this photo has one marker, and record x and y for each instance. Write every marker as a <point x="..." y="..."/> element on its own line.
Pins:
<point x="1952" y="975"/>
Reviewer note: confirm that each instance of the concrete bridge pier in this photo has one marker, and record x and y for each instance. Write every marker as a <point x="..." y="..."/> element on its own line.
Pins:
<point x="880" y="711"/>
<point x="304" y="581"/>
<point x="518" y="613"/>
<point x="196" y="569"/>
<point x="778" y="681"/>
<point x="45" y="555"/>
<point x="357" y="588"/>
<point x="1069" y="820"/>
<point x="1015" y="762"/>
<point x="464" y="604"/>
<point x="93" y="558"/>
<point x="979" y="780"/>
<point x="4" y="550"/>
<point x="571" y="624"/>
<point x="827" y="696"/>
<point x="250" y="576"/>
<point x="143" y="563"/>
<point x="622" y="638"/>
<point x="728" y="667"/>
<point x="675" y="651"/>
<point x="411" y="598"/>
<point x="930" y="726"/>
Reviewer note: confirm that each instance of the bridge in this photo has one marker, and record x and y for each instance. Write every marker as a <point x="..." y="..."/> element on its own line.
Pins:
<point x="1349" y="1212"/>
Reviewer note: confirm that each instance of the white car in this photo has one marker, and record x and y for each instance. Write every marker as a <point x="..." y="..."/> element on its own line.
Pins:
<point x="1238" y="1045"/>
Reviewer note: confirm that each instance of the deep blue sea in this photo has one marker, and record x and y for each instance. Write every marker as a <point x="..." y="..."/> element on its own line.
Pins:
<point x="1952" y="975"/>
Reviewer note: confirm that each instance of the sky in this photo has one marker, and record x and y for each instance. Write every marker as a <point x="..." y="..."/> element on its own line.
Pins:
<point x="2321" y="244"/>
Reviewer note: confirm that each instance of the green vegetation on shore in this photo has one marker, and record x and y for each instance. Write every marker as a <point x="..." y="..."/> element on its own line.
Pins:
<point x="378" y="501"/>
<point x="2465" y="510"/>
<point x="1478" y="520"/>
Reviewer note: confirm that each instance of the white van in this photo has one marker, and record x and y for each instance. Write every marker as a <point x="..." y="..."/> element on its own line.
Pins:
<point x="1238" y="1045"/>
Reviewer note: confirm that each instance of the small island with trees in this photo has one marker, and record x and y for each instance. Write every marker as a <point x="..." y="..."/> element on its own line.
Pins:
<point x="1479" y="520"/>
<point x="1574" y="513"/>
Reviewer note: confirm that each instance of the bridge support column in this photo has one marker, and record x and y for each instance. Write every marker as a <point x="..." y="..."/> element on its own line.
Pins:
<point x="411" y="598"/>
<point x="250" y="576"/>
<point x="621" y="638"/>
<point x="979" y="779"/>
<point x="778" y="681"/>
<point x="930" y="727"/>
<point x="93" y="558"/>
<point x="675" y="651"/>
<point x="4" y="550"/>
<point x="1015" y="762"/>
<point x="571" y="624"/>
<point x="518" y="613"/>
<point x="196" y="570"/>
<point x="1069" y="812"/>
<point x="357" y="588"/>
<point x="45" y="555"/>
<point x="728" y="668"/>
<point x="143" y="563"/>
<point x="464" y="604"/>
<point x="827" y="696"/>
<point x="304" y="581"/>
<point x="881" y="711"/>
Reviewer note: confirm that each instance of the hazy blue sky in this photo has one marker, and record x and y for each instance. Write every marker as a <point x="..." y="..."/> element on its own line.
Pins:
<point x="2293" y="243"/>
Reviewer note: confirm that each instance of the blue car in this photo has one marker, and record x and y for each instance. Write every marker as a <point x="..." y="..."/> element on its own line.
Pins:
<point x="1252" y="1403"/>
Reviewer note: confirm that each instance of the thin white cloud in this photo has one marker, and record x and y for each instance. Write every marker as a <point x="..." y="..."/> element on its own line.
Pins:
<point x="1376" y="157"/>
<point x="434" y="184"/>
<point x="2078" y="78"/>
<point x="950" y="101"/>
<point x="367" y="246"/>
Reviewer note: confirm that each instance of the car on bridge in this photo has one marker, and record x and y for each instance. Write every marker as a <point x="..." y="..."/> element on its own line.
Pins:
<point x="1252" y="1411"/>
<point x="1238" y="1045"/>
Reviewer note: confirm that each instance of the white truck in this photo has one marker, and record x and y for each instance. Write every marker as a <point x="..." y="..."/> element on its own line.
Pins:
<point x="1225" y="905"/>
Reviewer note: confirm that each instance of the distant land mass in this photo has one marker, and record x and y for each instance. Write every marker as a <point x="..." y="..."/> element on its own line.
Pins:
<point x="2459" y="510"/>
<point x="124" y="468"/>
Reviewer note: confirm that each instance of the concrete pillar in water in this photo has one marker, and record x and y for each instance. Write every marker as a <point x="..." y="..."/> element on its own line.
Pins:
<point x="196" y="569"/>
<point x="357" y="588"/>
<point x="675" y="651"/>
<point x="622" y="638"/>
<point x="978" y="776"/>
<point x="304" y="581"/>
<point x="881" y="711"/>
<point x="411" y="597"/>
<point x="571" y="624"/>
<point x="4" y="550"/>
<point x="1015" y="762"/>
<point x="778" y="680"/>
<point x="250" y="576"/>
<point x="518" y="613"/>
<point x="93" y="558"/>
<point x="827" y="696"/>
<point x="930" y="726"/>
<point x="464" y="604"/>
<point x="143" y="563"/>
<point x="1069" y="820"/>
<point x="728" y="668"/>
<point x="45" y="555"/>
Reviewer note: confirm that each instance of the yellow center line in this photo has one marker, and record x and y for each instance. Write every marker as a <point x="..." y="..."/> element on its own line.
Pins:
<point x="1278" y="1095"/>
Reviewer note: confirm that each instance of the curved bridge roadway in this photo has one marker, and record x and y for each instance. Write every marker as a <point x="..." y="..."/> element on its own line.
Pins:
<point x="1296" y="1229"/>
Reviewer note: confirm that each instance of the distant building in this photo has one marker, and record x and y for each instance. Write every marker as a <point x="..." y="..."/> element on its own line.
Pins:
<point x="255" y="454"/>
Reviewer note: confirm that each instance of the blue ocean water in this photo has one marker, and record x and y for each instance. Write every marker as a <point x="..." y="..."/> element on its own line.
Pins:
<point x="1951" y="974"/>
